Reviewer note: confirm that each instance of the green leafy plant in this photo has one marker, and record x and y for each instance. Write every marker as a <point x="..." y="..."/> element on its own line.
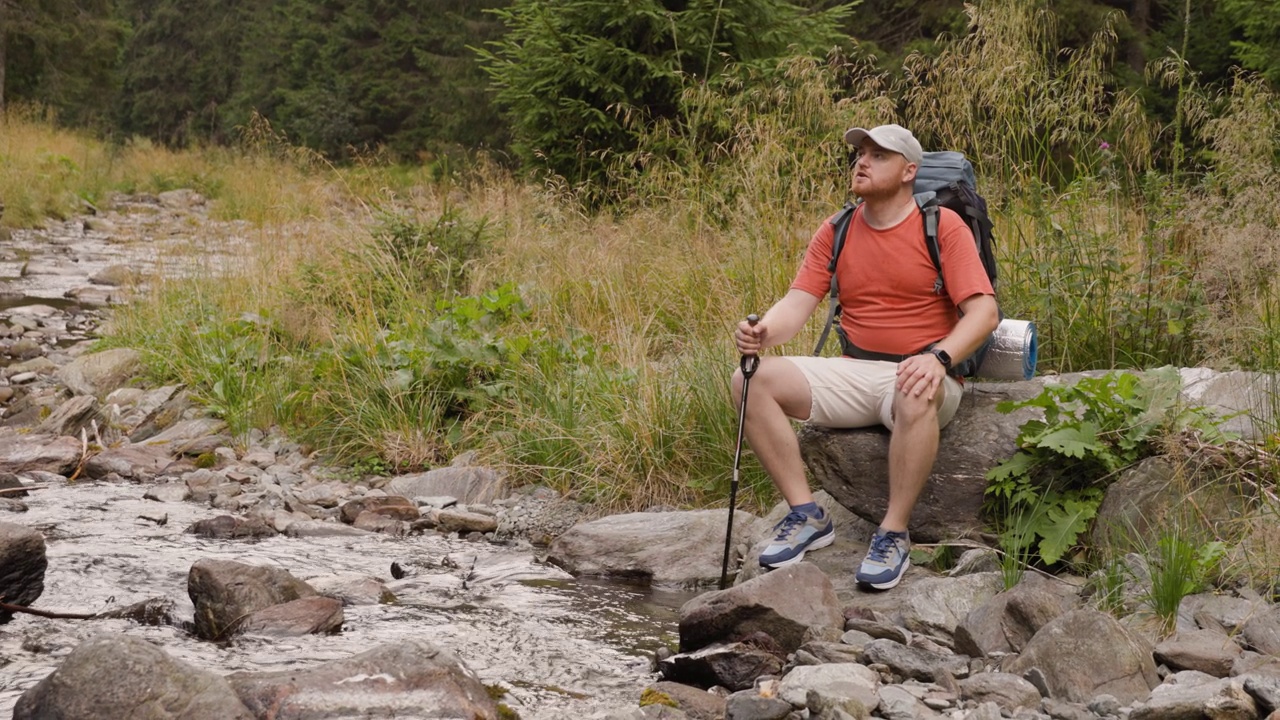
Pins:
<point x="1045" y="496"/>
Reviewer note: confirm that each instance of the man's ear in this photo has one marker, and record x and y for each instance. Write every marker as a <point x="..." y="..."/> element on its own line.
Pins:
<point x="909" y="173"/>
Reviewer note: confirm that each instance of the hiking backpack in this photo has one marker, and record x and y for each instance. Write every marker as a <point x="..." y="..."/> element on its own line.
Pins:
<point x="944" y="179"/>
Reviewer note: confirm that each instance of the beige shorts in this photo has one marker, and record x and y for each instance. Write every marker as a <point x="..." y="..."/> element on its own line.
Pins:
<point x="859" y="393"/>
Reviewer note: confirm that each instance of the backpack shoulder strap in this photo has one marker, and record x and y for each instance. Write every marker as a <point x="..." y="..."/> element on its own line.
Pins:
<point x="840" y="223"/>
<point x="928" y="203"/>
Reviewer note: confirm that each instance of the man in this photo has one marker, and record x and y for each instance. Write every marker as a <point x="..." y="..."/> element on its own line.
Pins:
<point x="890" y="312"/>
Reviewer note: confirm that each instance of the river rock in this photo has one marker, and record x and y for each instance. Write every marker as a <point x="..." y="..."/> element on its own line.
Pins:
<point x="695" y="703"/>
<point x="733" y="665"/>
<point x="70" y="416"/>
<point x="1007" y="622"/>
<point x="412" y="678"/>
<point x="131" y="462"/>
<point x="935" y="606"/>
<point x="230" y="527"/>
<point x="224" y="591"/>
<point x="191" y="437"/>
<point x="20" y="453"/>
<point x="1262" y="632"/>
<point x="1198" y="696"/>
<point x="1085" y="653"/>
<point x="1004" y="689"/>
<point x="681" y="549"/>
<point x="470" y="484"/>
<point x="116" y="676"/>
<point x="22" y="566"/>
<point x="353" y="589"/>
<point x="396" y="507"/>
<point x="782" y="604"/>
<point x="99" y="373"/>
<point x="832" y="683"/>
<point x="913" y="662"/>
<point x="304" y="616"/>
<point x="1210" y="652"/>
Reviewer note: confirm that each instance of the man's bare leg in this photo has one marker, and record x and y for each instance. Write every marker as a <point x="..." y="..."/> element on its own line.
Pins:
<point x="913" y="447"/>
<point x="779" y="391"/>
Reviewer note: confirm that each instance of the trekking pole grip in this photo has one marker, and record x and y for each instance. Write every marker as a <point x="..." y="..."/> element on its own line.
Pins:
<point x="751" y="362"/>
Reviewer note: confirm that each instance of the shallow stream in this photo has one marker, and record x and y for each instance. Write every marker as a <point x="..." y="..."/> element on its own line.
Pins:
<point x="559" y="647"/>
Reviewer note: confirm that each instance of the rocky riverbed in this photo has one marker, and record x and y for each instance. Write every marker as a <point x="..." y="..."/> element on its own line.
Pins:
<point x="219" y="577"/>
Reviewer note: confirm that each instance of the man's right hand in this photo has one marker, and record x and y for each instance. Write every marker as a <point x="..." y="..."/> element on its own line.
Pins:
<point x="750" y="339"/>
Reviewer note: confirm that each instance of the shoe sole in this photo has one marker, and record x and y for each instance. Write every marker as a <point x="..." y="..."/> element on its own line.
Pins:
<point x="818" y="544"/>
<point x="906" y="565"/>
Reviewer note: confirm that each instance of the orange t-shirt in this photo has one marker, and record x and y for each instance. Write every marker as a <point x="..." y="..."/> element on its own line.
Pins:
<point x="886" y="280"/>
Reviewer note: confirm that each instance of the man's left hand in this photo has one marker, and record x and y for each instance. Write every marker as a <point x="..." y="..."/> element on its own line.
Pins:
<point x="921" y="375"/>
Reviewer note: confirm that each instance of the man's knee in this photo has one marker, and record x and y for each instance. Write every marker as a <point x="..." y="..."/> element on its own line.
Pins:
<point x="908" y="409"/>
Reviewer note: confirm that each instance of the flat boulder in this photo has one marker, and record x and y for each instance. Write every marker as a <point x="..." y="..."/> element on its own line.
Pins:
<point x="408" y="679"/>
<point x="108" y="677"/>
<point x="679" y="549"/>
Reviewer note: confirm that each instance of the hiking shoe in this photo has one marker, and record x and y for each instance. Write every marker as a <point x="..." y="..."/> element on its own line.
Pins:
<point x="887" y="560"/>
<point x="794" y="535"/>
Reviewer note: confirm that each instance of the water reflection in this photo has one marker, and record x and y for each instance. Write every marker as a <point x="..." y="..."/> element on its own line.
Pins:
<point x="559" y="647"/>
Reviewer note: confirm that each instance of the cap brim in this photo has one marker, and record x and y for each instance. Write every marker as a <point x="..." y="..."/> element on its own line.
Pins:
<point x="855" y="136"/>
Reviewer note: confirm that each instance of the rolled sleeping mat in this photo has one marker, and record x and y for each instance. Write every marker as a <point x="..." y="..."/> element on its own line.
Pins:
<point x="1012" y="354"/>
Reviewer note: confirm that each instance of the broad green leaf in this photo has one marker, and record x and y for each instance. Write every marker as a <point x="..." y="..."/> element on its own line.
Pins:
<point x="1062" y="525"/>
<point x="1072" y="441"/>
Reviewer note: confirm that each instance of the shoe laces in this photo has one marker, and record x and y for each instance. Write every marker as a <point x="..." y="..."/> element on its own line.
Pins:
<point x="789" y="523"/>
<point x="881" y="545"/>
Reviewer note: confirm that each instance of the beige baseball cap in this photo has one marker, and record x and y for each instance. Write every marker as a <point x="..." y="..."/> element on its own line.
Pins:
<point x="890" y="137"/>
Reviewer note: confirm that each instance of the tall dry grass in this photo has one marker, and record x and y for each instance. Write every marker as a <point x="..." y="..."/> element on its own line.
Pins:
<point x="614" y="384"/>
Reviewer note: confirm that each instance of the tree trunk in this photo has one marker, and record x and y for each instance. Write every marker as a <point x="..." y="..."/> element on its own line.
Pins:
<point x="1140" y="19"/>
<point x="4" y="41"/>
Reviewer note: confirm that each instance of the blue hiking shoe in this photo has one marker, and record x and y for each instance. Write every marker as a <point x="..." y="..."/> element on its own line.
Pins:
<point x="797" y="533"/>
<point x="887" y="560"/>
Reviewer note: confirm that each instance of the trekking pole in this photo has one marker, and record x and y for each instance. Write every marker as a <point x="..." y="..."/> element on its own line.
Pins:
<point x="749" y="363"/>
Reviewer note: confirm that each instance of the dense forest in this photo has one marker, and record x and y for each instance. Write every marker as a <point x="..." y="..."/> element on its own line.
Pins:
<point x="419" y="80"/>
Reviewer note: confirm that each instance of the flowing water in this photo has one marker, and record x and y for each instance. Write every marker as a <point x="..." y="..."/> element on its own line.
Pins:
<point x="559" y="647"/>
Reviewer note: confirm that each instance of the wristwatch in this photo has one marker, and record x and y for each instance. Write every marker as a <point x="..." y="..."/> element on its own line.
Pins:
<point x="943" y="356"/>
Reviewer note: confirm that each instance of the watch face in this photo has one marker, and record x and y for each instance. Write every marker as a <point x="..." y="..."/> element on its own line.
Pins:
<point x="943" y="356"/>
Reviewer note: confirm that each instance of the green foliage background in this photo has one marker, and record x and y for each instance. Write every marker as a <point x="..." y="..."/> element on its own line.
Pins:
<point x="563" y="86"/>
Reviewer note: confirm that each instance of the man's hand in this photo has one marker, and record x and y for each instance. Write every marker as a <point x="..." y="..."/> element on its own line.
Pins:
<point x="921" y="375"/>
<point x="750" y="338"/>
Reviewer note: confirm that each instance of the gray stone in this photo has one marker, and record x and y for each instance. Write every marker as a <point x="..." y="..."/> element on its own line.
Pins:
<point x="832" y="683"/>
<point x="1262" y="631"/>
<point x="782" y="604"/>
<point x="225" y="591"/>
<point x="1008" y="691"/>
<point x="90" y="684"/>
<point x="412" y="678"/>
<point x="675" y="549"/>
<point x="1220" y="699"/>
<point x="732" y="665"/>
<point x="1205" y="650"/>
<point x="1085" y="653"/>
<point x="910" y="662"/>
<point x="469" y="484"/>
<point x="97" y="374"/>
<point x="22" y="566"/>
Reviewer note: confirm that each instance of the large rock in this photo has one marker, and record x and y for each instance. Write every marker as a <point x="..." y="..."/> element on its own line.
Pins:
<point x="225" y="592"/>
<point x="99" y="373"/>
<point x="1243" y="399"/>
<point x="116" y="676"/>
<point x="853" y="465"/>
<point x="678" y="549"/>
<point x="21" y="453"/>
<point x="408" y="679"/>
<point x="469" y="484"/>
<point x="22" y="566"/>
<point x="1086" y="653"/>
<point x="782" y="604"/>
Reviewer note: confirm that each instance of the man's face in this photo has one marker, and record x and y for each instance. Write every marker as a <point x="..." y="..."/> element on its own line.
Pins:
<point x="878" y="172"/>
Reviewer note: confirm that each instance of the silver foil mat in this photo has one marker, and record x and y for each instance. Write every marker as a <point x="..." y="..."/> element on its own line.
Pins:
<point x="1012" y="355"/>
